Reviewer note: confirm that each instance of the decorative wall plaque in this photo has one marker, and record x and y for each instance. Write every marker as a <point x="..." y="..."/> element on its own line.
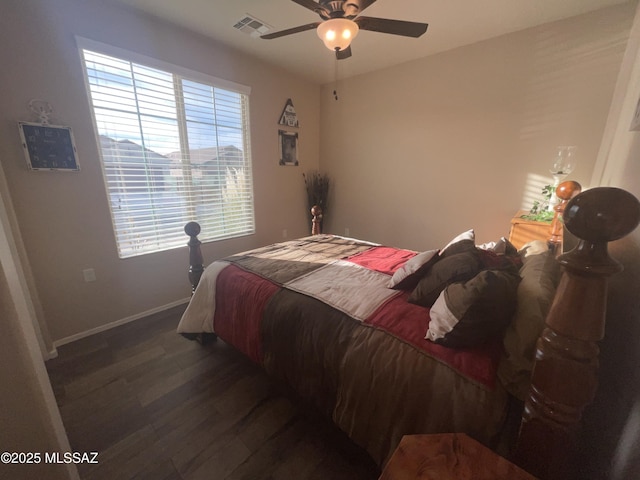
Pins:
<point x="289" y="116"/>
<point x="288" y="142"/>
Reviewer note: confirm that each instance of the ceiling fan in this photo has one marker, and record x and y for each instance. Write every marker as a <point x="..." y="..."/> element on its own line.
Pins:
<point x="342" y="21"/>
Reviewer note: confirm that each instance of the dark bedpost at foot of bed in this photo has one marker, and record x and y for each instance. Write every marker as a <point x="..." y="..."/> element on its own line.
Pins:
<point x="196" y="267"/>
<point x="565" y="374"/>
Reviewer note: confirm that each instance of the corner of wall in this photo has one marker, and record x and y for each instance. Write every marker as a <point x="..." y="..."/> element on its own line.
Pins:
<point x="24" y="275"/>
<point x="618" y="142"/>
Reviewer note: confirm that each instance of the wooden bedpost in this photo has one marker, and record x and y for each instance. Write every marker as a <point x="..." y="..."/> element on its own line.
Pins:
<point x="565" y="192"/>
<point x="316" y="222"/>
<point x="564" y="378"/>
<point x="196" y="266"/>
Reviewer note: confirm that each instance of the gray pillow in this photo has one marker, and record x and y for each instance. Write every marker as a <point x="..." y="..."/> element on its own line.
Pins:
<point x="540" y="276"/>
<point x="408" y="276"/>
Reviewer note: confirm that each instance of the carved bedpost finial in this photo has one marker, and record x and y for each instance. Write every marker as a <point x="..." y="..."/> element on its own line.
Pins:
<point x="196" y="266"/>
<point x="316" y="223"/>
<point x="565" y="192"/>
<point x="564" y="379"/>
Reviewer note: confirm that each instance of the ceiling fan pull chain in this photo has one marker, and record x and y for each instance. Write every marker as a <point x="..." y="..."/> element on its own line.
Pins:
<point x="335" y="78"/>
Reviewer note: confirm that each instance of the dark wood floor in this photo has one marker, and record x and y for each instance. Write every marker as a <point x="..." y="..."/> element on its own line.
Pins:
<point x="157" y="406"/>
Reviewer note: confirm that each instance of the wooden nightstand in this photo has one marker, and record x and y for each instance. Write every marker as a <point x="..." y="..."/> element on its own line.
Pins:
<point x="523" y="231"/>
<point x="449" y="456"/>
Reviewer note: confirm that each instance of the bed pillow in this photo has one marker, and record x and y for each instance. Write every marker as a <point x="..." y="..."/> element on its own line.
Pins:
<point x="470" y="313"/>
<point x="534" y="247"/>
<point x="502" y="247"/>
<point x="540" y="274"/>
<point x="461" y="243"/>
<point x="408" y="276"/>
<point x="499" y="261"/>
<point x="509" y="248"/>
<point x="450" y="269"/>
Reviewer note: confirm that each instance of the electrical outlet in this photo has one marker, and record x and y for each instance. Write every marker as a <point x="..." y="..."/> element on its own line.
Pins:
<point x="285" y="233"/>
<point x="346" y="231"/>
<point x="89" y="275"/>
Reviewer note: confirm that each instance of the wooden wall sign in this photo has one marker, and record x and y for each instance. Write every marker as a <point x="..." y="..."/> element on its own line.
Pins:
<point x="289" y="116"/>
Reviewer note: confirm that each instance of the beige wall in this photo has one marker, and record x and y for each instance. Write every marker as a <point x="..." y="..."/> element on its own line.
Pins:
<point x="63" y="218"/>
<point x="425" y="150"/>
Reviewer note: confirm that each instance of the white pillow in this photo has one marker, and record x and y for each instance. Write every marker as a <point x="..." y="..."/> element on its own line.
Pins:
<point x="410" y="267"/>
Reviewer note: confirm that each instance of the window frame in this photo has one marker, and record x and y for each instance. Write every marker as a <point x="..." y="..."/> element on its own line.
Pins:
<point x="184" y="74"/>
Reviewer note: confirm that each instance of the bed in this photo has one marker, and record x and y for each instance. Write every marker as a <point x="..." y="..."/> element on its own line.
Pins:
<point x="388" y="342"/>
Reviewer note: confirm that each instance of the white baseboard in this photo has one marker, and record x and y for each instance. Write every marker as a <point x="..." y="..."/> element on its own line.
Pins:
<point x="53" y="353"/>
<point x="117" y="323"/>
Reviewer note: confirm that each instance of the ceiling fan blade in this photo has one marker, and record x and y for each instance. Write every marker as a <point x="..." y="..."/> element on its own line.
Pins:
<point x="290" y="31"/>
<point x="311" y="5"/>
<point x="365" y="4"/>
<point x="395" y="27"/>
<point x="345" y="53"/>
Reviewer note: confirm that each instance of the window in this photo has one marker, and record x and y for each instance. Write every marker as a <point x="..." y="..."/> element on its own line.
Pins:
<point x="174" y="147"/>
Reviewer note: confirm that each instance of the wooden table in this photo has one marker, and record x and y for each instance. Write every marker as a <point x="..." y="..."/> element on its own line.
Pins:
<point x="523" y="231"/>
<point x="450" y="456"/>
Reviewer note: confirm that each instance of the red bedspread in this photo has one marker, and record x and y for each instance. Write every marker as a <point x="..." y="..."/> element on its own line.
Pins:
<point x="245" y="309"/>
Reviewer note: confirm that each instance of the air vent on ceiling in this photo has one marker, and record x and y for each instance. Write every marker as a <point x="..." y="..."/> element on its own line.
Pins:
<point x="252" y="26"/>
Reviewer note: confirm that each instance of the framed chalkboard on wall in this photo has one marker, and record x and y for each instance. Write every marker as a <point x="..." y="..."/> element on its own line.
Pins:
<point x="49" y="147"/>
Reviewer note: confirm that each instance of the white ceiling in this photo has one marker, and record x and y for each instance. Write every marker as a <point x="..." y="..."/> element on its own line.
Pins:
<point x="452" y="23"/>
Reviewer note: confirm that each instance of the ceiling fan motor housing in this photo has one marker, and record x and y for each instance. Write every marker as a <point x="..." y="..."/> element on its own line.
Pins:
<point x="338" y="9"/>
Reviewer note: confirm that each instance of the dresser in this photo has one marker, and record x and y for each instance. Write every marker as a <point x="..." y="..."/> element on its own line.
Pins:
<point x="523" y="231"/>
<point x="449" y="456"/>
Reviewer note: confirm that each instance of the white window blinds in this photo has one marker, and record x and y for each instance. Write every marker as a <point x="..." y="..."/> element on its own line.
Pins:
<point x="173" y="150"/>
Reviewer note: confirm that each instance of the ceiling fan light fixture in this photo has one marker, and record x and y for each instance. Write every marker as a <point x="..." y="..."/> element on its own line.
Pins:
<point x="337" y="33"/>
